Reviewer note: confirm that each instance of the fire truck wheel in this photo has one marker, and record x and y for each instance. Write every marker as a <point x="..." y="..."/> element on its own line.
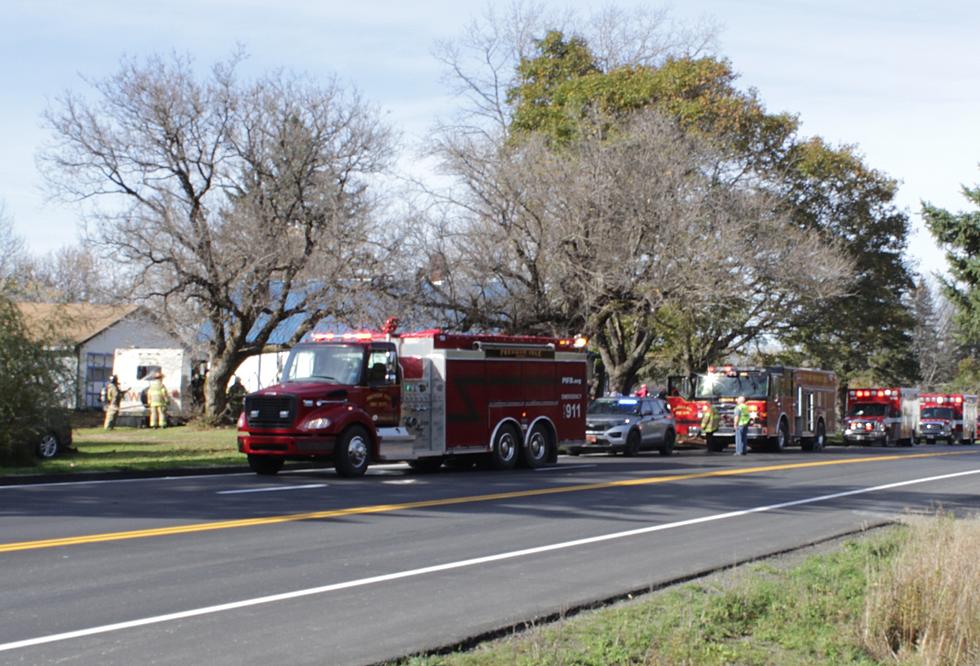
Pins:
<point x="536" y="450"/>
<point x="353" y="452"/>
<point x="265" y="465"/>
<point x="781" y="439"/>
<point x="506" y="445"/>
<point x="668" y="447"/>
<point x="632" y="443"/>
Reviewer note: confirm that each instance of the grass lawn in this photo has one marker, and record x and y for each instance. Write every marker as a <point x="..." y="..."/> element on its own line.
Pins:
<point x="809" y="612"/>
<point x="127" y="449"/>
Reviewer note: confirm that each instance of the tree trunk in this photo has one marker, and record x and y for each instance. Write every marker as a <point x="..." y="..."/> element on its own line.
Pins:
<point x="222" y="367"/>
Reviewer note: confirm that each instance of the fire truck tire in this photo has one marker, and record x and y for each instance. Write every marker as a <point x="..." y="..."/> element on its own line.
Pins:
<point x="781" y="440"/>
<point x="632" y="446"/>
<point x="505" y="448"/>
<point x="352" y="452"/>
<point x="426" y="465"/>
<point x="668" y="446"/>
<point x="537" y="449"/>
<point x="265" y="465"/>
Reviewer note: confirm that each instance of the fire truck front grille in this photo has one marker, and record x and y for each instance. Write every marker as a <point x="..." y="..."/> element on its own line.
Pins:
<point x="270" y="411"/>
<point x="932" y="427"/>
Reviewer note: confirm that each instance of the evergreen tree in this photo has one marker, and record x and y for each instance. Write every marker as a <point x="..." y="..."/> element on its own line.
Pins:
<point x="959" y="234"/>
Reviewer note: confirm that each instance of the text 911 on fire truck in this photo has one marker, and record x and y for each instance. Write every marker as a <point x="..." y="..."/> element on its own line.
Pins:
<point x="424" y="397"/>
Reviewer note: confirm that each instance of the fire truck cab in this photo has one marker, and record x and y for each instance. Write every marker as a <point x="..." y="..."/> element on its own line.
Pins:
<point x="886" y="416"/>
<point x="788" y="405"/>
<point x="425" y="398"/>
<point x="951" y="417"/>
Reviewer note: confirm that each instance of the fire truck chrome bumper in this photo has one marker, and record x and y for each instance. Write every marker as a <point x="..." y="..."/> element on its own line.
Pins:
<point x="863" y="436"/>
<point x="285" y="444"/>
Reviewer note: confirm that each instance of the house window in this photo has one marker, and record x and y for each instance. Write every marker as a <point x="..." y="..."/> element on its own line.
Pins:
<point x="98" y="369"/>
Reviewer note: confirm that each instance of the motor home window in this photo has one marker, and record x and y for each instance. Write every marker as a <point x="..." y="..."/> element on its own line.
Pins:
<point x="146" y="371"/>
<point x="335" y="364"/>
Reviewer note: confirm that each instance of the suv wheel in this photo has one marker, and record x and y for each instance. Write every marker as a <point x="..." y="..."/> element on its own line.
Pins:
<point x="48" y="446"/>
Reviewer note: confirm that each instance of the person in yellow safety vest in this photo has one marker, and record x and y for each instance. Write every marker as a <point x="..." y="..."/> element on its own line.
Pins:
<point x="741" y="417"/>
<point x="113" y="398"/>
<point x="709" y="425"/>
<point x="157" y="396"/>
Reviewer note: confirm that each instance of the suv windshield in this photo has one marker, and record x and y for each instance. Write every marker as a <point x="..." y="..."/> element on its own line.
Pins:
<point x="628" y="406"/>
<point x="937" y="413"/>
<point x="334" y="364"/>
<point x="717" y="385"/>
<point x="869" y="409"/>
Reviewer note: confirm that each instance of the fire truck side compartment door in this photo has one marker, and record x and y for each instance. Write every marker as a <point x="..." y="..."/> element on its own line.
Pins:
<point x="423" y="407"/>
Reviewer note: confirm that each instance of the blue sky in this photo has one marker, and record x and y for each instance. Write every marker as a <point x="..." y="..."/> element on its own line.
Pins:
<point x="898" y="79"/>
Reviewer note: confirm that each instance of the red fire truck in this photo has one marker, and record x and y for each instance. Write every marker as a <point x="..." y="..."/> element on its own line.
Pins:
<point x="948" y="416"/>
<point x="886" y="416"/>
<point x="425" y="398"/>
<point x="788" y="405"/>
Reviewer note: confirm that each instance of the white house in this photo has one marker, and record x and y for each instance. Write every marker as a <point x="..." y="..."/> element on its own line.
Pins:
<point x="91" y="335"/>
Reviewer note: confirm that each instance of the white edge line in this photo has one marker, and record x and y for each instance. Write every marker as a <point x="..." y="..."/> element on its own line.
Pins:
<point x="95" y="482"/>
<point x="361" y="582"/>
<point x="270" y="489"/>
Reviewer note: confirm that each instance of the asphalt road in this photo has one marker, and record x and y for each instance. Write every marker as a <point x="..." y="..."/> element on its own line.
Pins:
<point x="310" y="568"/>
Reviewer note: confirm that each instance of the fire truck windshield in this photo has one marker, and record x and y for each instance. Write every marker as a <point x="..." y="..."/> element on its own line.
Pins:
<point x="753" y="385"/>
<point x="334" y="364"/>
<point x="937" y="413"/>
<point x="615" y="406"/>
<point x="869" y="409"/>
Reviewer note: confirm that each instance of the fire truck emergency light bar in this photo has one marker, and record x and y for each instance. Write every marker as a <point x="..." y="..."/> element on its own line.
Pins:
<point x="862" y="393"/>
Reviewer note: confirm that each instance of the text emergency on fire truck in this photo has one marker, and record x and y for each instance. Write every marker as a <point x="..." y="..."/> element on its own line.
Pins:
<point x="951" y="417"/>
<point x="788" y="405"/>
<point x="886" y="416"/>
<point x="424" y="397"/>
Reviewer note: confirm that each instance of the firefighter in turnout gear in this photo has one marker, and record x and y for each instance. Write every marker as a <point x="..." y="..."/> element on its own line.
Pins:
<point x="236" y="400"/>
<point x="709" y="424"/>
<point x="157" y="396"/>
<point x="113" y="397"/>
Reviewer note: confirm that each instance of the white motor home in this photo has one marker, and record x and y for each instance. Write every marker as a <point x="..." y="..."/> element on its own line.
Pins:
<point x="136" y="367"/>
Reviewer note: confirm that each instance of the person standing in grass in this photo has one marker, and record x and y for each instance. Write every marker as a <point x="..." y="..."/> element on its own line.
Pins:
<point x="113" y="398"/>
<point x="157" y="396"/>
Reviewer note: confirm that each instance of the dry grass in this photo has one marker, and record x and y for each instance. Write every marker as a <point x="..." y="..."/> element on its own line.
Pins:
<point x="924" y="608"/>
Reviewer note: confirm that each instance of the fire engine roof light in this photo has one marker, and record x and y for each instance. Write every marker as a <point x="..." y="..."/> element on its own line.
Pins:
<point x="958" y="399"/>
<point x="580" y="341"/>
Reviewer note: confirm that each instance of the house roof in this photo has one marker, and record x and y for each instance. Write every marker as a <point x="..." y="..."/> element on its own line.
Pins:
<point x="73" y="322"/>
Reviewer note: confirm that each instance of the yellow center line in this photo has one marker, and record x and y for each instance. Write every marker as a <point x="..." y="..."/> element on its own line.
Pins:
<point x="449" y="501"/>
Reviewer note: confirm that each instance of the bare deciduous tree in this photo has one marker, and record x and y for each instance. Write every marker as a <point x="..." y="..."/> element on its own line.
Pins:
<point x="603" y="236"/>
<point x="245" y="204"/>
<point x="11" y="251"/>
